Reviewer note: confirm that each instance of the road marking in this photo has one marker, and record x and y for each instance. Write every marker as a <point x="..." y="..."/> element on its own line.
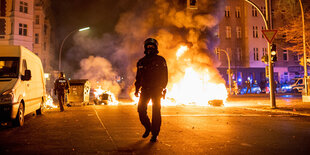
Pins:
<point x="221" y="115"/>
<point x="106" y="130"/>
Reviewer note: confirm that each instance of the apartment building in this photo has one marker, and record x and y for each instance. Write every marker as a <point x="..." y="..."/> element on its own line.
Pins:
<point x="19" y="25"/>
<point x="240" y="34"/>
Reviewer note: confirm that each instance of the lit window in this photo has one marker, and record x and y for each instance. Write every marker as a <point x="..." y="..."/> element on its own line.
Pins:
<point x="238" y="30"/>
<point x="227" y="11"/>
<point x="238" y="12"/>
<point x="228" y="32"/>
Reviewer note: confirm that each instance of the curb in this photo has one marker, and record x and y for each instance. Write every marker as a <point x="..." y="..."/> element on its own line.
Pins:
<point x="278" y="111"/>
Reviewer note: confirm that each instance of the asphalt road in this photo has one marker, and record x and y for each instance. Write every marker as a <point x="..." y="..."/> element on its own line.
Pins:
<point x="104" y="129"/>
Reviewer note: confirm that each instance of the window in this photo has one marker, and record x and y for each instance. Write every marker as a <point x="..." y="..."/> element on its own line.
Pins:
<point x="254" y="11"/>
<point x="23" y="7"/>
<point x="264" y="51"/>
<point x="3" y="5"/>
<point x="22" y="29"/>
<point x="263" y="28"/>
<point x="238" y="54"/>
<point x="238" y="12"/>
<point x="227" y="11"/>
<point x="263" y="10"/>
<point x="255" y="54"/>
<point x="255" y="32"/>
<point x="238" y="30"/>
<point x="37" y="19"/>
<point x="36" y="39"/>
<point x="2" y="26"/>
<point x="285" y="56"/>
<point x="228" y="32"/>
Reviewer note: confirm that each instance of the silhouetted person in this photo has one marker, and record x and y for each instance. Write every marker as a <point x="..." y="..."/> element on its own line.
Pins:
<point x="61" y="86"/>
<point x="152" y="78"/>
<point x="248" y="86"/>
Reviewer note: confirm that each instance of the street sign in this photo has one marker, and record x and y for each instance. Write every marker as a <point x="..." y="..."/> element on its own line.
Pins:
<point x="269" y="34"/>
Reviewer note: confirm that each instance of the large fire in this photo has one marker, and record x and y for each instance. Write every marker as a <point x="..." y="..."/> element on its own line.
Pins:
<point x="194" y="88"/>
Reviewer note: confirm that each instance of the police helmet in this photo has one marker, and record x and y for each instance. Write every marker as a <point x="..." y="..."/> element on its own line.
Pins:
<point x="150" y="41"/>
<point x="61" y="74"/>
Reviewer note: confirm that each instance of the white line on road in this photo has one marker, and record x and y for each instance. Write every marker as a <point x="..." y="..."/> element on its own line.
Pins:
<point x="106" y="130"/>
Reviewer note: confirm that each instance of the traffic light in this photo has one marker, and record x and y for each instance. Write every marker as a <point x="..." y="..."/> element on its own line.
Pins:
<point x="192" y="4"/>
<point x="273" y="53"/>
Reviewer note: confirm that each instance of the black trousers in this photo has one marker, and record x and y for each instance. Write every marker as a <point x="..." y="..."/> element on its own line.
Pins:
<point x="61" y="100"/>
<point x="146" y="96"/>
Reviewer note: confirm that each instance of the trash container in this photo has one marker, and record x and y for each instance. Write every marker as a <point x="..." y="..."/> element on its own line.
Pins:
<point x="79" y="91"/>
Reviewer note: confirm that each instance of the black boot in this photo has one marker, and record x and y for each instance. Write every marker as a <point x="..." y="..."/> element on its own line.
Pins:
<point x="153" y="139"/>
<point x="146" y="133"/>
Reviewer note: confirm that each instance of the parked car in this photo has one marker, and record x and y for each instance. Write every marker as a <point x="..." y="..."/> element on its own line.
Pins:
<point x="255" y="89"/>
<point x="22" y="86"/>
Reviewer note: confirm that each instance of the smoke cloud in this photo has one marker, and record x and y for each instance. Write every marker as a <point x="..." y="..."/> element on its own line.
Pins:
<point x="170" y="22"/>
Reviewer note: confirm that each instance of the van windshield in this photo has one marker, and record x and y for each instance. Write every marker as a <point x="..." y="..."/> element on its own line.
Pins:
<point x="9" y="67"/>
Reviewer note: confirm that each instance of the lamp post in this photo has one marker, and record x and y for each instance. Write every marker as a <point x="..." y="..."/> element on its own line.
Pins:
<point x="62" y="43"/>
<point x="229" y="70"/>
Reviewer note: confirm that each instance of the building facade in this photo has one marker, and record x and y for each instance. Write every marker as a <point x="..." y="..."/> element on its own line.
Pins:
<point x="18" y="26"/>
<point x="240" y="34"/>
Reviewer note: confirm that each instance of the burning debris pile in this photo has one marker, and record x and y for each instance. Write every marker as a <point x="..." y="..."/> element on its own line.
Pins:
<point x="49" y="104"/>
<point x="186" y="39"/>
<point x="104" y="97"/>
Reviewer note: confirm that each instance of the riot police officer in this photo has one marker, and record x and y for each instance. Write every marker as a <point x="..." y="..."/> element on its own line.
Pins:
<point x="61" y="86"/>
<point x="152" y="78"/>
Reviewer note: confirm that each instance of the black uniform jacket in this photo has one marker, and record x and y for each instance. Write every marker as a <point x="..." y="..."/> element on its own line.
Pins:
<point x="152" y="73"/>
<point x="61" y="85"/>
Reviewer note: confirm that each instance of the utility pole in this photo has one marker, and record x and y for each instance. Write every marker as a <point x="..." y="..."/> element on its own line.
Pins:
<point x="267" y="20"/>
<point x="270" y="63"/>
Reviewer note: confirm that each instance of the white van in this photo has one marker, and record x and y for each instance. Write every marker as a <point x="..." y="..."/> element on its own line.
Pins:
<point x="297" y="85"/>
<point x="22" y="86"/>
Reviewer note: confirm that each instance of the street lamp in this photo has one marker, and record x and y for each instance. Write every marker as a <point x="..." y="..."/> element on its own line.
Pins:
<point x="82" y="29"/>
<point x="229" y="70"/>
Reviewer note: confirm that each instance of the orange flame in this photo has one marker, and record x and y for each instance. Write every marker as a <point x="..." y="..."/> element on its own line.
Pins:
<point x="194" y="88"/>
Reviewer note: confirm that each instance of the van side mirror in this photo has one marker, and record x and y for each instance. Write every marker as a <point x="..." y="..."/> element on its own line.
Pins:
<point x="27" y="75"/>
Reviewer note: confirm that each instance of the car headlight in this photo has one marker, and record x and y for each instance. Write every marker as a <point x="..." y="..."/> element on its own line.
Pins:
<point x="7" y="96"/>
